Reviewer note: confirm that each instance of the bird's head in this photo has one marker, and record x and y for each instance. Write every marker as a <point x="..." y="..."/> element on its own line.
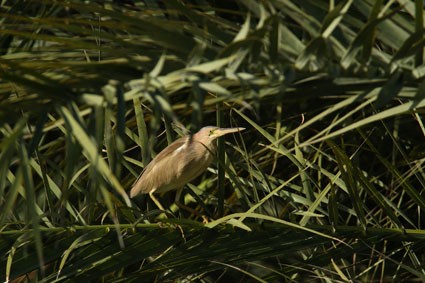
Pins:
<point x="208" y="134"/>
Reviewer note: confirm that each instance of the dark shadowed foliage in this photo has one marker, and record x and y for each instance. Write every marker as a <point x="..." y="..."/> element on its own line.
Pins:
<point x="326" y="184"/>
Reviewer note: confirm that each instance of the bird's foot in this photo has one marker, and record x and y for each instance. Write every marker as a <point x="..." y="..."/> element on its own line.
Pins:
<point x="205" y="219"/>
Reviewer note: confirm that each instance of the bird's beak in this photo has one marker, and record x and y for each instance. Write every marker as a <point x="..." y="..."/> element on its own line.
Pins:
<point x="224" y="131"/>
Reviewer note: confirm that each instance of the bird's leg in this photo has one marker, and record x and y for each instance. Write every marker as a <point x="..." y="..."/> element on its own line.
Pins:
<point x="191" y="210"/>
<point x="182" y="206"/>
<point x="159" y="205"/>
<point x="156" y="201"/>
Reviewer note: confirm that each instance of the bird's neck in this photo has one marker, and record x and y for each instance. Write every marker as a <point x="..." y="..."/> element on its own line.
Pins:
<point x="210" y="145"/>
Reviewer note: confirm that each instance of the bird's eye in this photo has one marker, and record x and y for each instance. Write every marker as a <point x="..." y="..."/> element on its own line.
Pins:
<point x="211" y="132"/>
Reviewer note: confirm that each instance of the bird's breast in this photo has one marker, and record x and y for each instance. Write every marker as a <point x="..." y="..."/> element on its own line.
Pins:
<point x="189" y="165"/>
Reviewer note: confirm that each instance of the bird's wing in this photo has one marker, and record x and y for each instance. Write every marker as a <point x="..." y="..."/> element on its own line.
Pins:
<point x="146" y="180"/>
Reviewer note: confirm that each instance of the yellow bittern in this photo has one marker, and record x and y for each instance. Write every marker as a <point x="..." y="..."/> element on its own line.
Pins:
<point x="179" y="163"/>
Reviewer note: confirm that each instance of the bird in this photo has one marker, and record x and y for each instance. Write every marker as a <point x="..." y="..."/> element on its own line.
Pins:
<point x="179" y="163"/>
